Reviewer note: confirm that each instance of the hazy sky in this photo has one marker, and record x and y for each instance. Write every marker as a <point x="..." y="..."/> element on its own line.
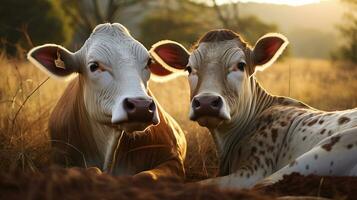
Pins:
<point x="288" y="2"/>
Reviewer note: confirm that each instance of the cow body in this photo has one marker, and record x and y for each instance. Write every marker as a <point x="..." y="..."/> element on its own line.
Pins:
<point x="79" y="141"/>
<point x="281" y="136"/>
<point x="259" y="137"/>
<point x="107" y="118"/>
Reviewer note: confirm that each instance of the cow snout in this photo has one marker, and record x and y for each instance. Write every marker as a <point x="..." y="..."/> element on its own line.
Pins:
<point x="206" y="106"/>
<point x="139" y="109"/>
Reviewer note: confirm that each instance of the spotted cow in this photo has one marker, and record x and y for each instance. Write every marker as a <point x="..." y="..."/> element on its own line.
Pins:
<point x="259" y="136"/>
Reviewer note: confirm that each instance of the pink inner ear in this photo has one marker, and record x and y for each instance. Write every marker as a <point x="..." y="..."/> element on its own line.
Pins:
<point x="173" y="55"/>
<point x="158" y="70"/>
<point x="46" y="56"/>
<point x="267" y="48"/>
<point x="273" y="46"/>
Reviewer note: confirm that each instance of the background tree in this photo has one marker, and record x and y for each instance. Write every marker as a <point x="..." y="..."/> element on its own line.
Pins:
<point x="24" y="22"/>
<point x="86" y="14"/>
<point x="186" y="20"/>
<point x="250" y="27"/>
<point x="178" y="20"/>
<point x="348" y="30"/>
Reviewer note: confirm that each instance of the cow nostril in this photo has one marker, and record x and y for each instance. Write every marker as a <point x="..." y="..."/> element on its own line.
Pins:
<point x="195" y="103"/>
<point x="217" y="103"/>
<point x="128" y="105"/>
<point x="152" y="107"/>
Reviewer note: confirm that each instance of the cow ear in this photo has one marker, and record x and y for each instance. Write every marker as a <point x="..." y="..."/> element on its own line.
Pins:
<point x="170" y="60"/>
<point x="55" y="60"/>
<point x="268" y="49"/>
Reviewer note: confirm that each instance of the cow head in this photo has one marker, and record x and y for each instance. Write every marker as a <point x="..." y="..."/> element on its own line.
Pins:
<point x="219" y="70"/>
<point x="115" y="69"/>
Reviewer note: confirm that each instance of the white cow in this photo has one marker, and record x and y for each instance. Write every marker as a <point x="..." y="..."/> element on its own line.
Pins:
<point x="106" y="117"/>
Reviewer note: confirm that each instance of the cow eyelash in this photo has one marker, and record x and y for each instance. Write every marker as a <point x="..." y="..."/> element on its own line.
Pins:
<point x="241" y="66"/>
<point x="94" y="66"/>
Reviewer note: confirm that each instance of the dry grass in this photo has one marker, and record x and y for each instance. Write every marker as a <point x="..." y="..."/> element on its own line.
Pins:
<point x="24" y="141"/>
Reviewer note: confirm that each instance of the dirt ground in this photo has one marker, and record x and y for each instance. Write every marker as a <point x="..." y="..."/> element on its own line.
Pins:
<point x="79" y="184"/>
<point x="59" y="183"/>
<point x="328" y="186"/>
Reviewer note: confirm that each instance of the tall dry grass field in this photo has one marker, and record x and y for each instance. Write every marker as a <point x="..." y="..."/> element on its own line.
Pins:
<point x="24" y="141"/>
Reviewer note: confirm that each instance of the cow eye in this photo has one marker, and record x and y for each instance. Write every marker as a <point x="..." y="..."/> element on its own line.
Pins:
<point x="241" y="66"/>
<point x="189" y="69"/>
<point x="93" y="66"/>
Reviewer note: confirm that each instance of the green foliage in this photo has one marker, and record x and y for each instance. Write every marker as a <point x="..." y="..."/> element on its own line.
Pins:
<point x="189" y="20"/>
<point x="156" y="27"/>
<point x="348" y="51"/>
<point x="24" y="23"/>
<point x="181" y="24"/>
<point x="85" y="15"/>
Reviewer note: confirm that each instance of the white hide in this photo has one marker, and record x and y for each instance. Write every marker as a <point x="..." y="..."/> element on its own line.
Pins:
<point x="126" y="77"/>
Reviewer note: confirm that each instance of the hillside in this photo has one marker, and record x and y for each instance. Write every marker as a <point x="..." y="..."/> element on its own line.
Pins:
<point x="313" y="25"/>
<point x="311" y="29"/>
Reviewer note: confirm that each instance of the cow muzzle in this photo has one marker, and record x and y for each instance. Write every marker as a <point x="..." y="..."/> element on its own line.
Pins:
<point x="139" y="109"/>
<point x="138" y="114"/>
<point x="208" y="110"/>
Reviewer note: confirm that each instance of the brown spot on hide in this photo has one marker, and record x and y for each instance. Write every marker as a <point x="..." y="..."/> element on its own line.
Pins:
<point x="274" y="134"/>
<point x="332" y="142"/>
<point x="343" y="120"/>
<point x="253" y="150"/>
<point x="312" y="122"/>
<point x="322" y="131"/>
<point x="329" y="133"/>
<point x="265" y="135"/>
<point x="262" y="127"/>
<point x="283" y="124"/>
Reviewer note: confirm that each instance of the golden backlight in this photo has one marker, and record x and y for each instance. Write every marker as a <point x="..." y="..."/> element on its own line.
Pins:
<point x="286" y="2"/>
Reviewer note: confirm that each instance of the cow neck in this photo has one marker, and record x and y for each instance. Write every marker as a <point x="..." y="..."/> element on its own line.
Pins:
<point x="99" y="136"/>
<point x="107" y="138"/>
<point x="83" y="131"/>
<point x="252" y="101"/>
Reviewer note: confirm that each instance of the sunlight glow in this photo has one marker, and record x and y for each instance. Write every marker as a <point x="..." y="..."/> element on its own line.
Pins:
<point x="286" y="2"/>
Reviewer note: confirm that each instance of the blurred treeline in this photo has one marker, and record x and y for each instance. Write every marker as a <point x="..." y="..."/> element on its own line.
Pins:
<point x="25" y="23"/>
<point x="70" y="22"/>
<point x="348" y="49"/>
